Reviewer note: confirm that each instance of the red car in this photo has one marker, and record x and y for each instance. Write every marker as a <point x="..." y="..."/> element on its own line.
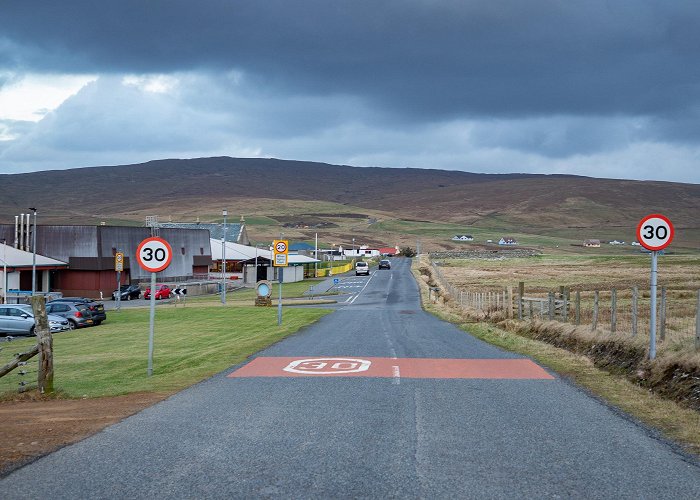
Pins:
<point x="162" y="292"/>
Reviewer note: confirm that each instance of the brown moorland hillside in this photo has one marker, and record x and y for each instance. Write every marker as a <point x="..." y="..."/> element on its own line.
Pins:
<point x="537" y="204"/>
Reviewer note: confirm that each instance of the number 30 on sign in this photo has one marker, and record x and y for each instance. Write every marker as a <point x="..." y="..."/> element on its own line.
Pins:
<point x="655" y="232"/>
<point x="154" y="254"/>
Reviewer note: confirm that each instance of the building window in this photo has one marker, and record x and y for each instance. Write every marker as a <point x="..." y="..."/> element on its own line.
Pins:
<point x="201" y="250"/>
<point x="183" y="250"/>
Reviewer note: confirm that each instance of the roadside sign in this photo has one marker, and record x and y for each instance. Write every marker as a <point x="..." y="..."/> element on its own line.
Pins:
<point x="655" y="232"/>
<point x="154" y="254"/>
<point x="119" y="262"/>
<point x="280" y="248"/>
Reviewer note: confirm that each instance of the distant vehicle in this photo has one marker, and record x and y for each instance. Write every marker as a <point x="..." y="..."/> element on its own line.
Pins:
<point x="97" y="309"/>
<point x="384" y="264"/>
<point x="18" y="319"/>
<point x="361" y="268"/>
<point x="127" y="292"/>
<point x="162" y="292"/>
<point x="78" y="315"/>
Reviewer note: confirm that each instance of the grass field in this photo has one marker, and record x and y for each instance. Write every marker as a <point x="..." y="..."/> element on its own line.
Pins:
<point x="191" y="344"/>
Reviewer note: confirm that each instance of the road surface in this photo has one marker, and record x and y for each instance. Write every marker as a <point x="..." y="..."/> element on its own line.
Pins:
<point x="409" y="407"/>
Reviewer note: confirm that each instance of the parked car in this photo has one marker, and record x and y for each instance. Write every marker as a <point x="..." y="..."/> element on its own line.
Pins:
<point x="361" y="268"/>
<point x="97" y="309"/>
<point x="162" y="292"/>
<point x="18" y="319"/>
<point x="78" y="315"/>
<point x="127" y="292"/>
<point x="384" y="264"/>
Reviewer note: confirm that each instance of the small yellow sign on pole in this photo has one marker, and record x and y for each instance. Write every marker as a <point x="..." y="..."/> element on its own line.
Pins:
<point x="280" y="248"/>
<point x="119" y="261"/>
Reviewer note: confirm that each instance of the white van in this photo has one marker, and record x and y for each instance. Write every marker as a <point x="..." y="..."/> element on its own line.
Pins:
<point x="361" y="268"/>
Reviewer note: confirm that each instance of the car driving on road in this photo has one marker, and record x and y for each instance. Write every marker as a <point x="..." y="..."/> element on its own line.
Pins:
<point x="384" y="264"/>
<point x="361" y="268"/>
<point x="18" y="319"/>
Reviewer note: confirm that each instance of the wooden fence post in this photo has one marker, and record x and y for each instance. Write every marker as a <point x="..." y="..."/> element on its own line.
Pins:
<point x="532" y="316"/>
<point x="565" y="310"/>
<point x="45" y="343"/>
<point x="578" y="307"/>
<point x="662" y="315"/>
<point x="613" y="310"/>
<point x="521" y="294"/>
<point x="635" y="310"/>
<point x="509" y="307"/>
<point x="596" y="298"/>
<point x="551" y="306"/>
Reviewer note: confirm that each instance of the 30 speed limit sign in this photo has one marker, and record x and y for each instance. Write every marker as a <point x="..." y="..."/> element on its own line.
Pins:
<point x="154" y="254"/>
<point x="655" y="232"/>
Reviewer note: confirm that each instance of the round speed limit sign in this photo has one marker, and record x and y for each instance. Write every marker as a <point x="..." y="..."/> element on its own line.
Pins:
<point x="281" y="247"/>
<point x="154" y="254"/>
<point x="655" y="232"/>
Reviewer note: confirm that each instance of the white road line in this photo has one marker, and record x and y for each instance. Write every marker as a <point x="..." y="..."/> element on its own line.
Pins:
<point x="397" y="375"/>
<point x="363" y="288"/>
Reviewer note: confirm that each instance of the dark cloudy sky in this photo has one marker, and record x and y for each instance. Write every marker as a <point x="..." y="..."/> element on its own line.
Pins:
<point x="590" y="87"/>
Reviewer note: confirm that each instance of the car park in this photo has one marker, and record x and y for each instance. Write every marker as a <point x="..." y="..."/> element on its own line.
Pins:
<point x="78" y="315"/>
<point x="384" y="264"/>
<point x="97" y="309"/>
<point x="18" y="319"/>
<point x="162" y="292"/>
<point x="361" y="267"/>
<point x="127" y="292"/>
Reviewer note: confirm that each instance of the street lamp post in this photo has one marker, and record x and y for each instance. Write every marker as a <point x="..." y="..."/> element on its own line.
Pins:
<point x="33" y="253"/>
<point x="223" y="260"/>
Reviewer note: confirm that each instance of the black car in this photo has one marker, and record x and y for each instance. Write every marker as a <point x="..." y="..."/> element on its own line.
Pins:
<point x="127" y="292"/>
<point x="384" y="264"/>
<point x="97" y="309"/>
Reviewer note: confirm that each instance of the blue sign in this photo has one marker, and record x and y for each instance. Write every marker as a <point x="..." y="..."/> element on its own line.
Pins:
<point x="336" y="281"/>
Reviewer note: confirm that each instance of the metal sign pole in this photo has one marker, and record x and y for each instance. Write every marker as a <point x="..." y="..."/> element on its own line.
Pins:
<point x="279" y="302"/>
<point x="118" y="296"/>
<point x="152" y="324"/>
<point x="652" y="318"/>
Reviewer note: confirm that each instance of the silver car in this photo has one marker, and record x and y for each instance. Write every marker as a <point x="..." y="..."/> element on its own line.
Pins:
<point x="18" y="319"/>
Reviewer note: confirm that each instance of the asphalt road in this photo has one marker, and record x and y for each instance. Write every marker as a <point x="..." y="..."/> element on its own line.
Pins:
<point x="402" y="434"/>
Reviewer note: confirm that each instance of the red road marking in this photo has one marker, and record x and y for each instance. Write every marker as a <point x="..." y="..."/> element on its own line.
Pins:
<point x="307" y="366"/>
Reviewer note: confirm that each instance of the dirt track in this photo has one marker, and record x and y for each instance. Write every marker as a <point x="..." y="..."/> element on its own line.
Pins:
<point x="32" y="428"/>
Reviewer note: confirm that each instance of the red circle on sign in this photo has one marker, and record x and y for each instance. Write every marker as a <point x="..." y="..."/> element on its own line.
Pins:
<point x="157" y="265"/>
<point x="665" y="241"/>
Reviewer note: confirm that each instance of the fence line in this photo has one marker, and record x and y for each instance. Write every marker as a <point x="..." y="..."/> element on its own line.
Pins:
<point x="622" y="311"/>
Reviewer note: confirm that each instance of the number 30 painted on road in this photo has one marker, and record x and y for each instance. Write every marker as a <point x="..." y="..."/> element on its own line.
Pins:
<point x="655" y="232"/>
<point x="154" y="254"/>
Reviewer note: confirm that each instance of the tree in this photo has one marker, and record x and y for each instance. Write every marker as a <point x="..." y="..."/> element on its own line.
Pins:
<point x="408" y="252"/>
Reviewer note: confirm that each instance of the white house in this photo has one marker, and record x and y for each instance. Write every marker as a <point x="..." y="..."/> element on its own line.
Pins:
<point x="462" y="237"/>
<point x="506" y="240"/>
<point x="16" y="271"/>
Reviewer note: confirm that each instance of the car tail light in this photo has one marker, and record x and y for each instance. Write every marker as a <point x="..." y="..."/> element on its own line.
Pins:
<point x="78" y="314"/>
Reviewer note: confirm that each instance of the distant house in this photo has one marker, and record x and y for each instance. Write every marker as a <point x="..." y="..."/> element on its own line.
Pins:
<point x="507" y="240"/>
<point x="462" y="237"/>
<point x="636" y="244"/>
<point x="591" y="243"/>
<point x="616" y="242"/>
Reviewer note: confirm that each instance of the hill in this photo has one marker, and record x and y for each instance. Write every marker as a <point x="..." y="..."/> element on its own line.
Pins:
<point x="557" y="206"/>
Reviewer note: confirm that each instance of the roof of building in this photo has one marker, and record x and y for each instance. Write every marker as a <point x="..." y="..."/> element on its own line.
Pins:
<point x="19" y="258"/>
<point x="301" y="246"/>
<point x="236" y="251"/>
<point x="216" y="230"/>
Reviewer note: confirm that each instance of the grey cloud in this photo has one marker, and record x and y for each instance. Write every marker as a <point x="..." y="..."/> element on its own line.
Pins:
<point x="416" y="57"/>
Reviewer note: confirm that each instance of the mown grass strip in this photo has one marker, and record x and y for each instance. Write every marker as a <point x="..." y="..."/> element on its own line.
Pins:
<point x="191" y="344"/>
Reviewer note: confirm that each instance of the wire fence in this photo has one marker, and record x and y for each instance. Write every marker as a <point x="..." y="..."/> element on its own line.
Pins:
<point x="625" y="311"/>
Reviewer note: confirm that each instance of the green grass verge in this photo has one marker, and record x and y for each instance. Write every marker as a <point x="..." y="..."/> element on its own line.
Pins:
<point x="191" y="344"/>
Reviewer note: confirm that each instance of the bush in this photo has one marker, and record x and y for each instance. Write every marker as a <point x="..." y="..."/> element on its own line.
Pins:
<point x="408" y="252"/>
